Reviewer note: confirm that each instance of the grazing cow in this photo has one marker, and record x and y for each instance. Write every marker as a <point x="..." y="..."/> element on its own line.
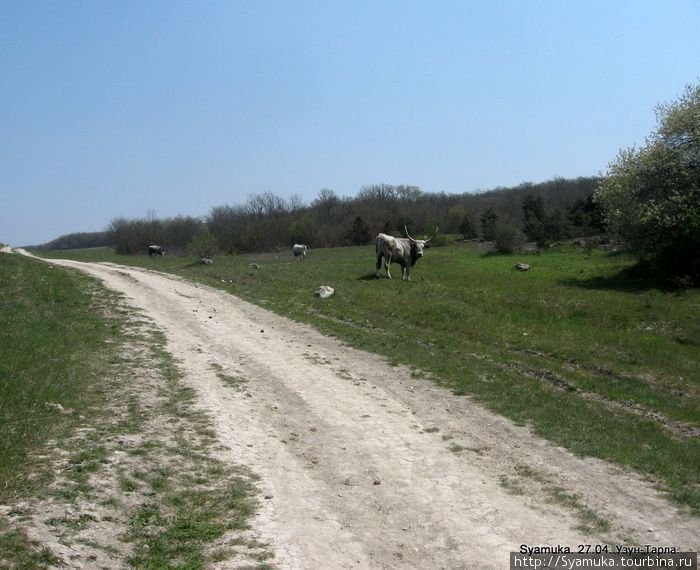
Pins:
<point x="155" y="250"/>
<point x="299" y="251"/>
<point x="404" y="251"/>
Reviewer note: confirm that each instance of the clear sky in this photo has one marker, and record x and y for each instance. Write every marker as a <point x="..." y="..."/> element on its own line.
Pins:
<point x="125" y="107"/>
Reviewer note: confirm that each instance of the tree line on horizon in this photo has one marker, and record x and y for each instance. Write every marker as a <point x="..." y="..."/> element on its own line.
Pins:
<point x="267" y="221"/>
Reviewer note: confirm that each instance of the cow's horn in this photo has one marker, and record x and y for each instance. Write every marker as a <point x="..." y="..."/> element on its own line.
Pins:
<point x="407" y="234"/>
<point x="436" y="231"/>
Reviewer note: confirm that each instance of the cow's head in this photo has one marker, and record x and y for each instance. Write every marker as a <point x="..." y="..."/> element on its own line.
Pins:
<point x="418" y="245"/>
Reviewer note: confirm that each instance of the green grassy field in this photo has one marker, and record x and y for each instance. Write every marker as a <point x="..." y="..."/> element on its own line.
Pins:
<point x="605" y="366"/>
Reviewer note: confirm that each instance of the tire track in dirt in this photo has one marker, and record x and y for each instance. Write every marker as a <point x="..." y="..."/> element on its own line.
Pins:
<point x="355" y="456"/>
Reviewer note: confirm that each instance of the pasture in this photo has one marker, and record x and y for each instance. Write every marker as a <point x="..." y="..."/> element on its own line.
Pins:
<point x="602" y="365"/>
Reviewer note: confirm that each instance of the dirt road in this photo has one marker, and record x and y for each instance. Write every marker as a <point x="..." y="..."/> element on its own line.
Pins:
<point x="363" y="466"/>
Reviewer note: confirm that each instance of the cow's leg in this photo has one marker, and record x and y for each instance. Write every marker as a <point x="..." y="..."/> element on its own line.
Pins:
<point x="378" y="265"/>
<point x="387" y="263"/>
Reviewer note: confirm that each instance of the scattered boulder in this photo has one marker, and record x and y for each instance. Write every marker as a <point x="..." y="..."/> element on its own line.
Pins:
<point x="522" y="267"/>
<point x="324" y="291"/>
<point x="58" y="408"/>
<point x="206" y="261"/>
<point x="591" y="242"/>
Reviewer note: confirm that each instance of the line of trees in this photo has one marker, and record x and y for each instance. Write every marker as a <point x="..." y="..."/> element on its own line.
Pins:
<point x="78" y="240"/>
<point x="131" y="236"/>
<point x="267" y="221"/>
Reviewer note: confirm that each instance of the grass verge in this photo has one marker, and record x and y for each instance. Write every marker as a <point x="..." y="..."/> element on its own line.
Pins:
<point x="55" y="342"/>
<point x="102" y="450"/>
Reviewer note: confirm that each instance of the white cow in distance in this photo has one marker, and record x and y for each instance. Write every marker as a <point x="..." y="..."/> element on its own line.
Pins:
<point x="299" y="250"/>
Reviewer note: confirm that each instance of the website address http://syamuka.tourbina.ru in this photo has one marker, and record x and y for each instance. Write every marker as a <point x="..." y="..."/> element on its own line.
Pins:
<point x="571" y="561"/>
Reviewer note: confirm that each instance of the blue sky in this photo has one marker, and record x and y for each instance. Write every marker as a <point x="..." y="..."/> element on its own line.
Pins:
<point x="126" y="107"/>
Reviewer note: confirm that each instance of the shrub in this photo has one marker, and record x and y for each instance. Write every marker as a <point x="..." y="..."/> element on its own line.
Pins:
<point x="507" y="238"/>
<point x="203" y="244"/>
<point x="438" y="241"/>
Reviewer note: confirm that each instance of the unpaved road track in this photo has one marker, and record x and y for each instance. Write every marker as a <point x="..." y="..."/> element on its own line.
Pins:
<point x="362" y="466"/>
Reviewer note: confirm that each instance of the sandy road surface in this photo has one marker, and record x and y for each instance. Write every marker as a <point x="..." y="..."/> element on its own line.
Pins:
<point x="362" y="466"/>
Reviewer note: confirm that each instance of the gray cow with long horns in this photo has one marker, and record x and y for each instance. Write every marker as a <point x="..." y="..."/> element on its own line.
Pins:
<point x="404" y="251"/>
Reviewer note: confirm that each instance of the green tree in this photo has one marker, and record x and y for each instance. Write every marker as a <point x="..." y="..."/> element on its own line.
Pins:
<point x="359" y="233"/>
<point x="303" y="230"/>
<point x="555" y="227"/>
<point x="204" y="243"/>
<point x="455" y="216"/>
<point x="467" y="227"/>
<point x="489" y="221"/>
<point x="651" y="195"/>
<point x="535" y="219"/>
<point x="540" y="226"/>
<point x="586" y="217"/>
